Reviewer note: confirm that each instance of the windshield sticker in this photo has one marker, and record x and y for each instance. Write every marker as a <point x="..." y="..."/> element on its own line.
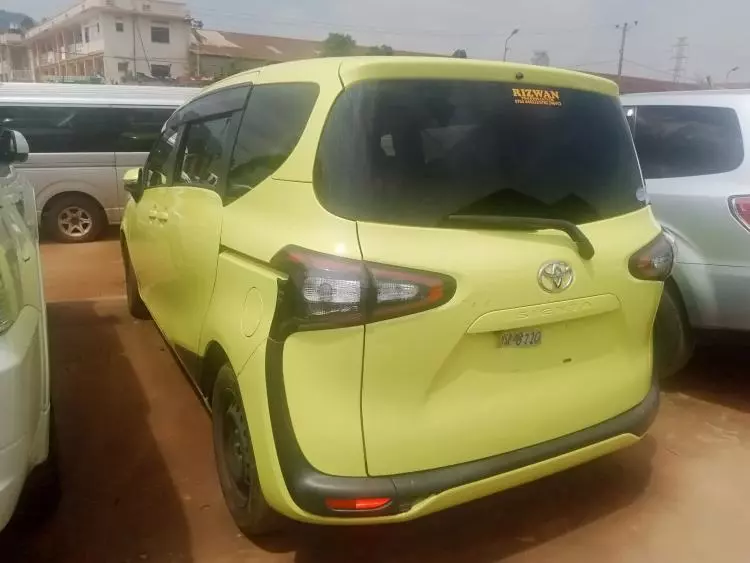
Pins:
<point x="536" y="96"/>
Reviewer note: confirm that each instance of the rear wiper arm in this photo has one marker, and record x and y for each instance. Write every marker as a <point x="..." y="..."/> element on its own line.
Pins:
<point x="585" y="248"/>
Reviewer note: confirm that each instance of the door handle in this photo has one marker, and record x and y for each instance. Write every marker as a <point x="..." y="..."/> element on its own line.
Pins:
<point x="161" y="216"/>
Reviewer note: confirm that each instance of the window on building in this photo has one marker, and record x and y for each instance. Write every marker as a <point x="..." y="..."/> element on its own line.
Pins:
<point x="161" y="71"/>
<point x="86" y="36"/>
<point x="78" y="36"/>
<point x="206" y="145"/>
<point x="680" y="141"/>
<point x="275" y="117"/>
<point x="119" y="26"/>
<point x="159" y="32"/>
<point x="123" y="67"/>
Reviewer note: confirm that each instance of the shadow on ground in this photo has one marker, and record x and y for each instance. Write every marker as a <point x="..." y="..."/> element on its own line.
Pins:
<point x="119" y="503"/>
<point x="718" y="374"/>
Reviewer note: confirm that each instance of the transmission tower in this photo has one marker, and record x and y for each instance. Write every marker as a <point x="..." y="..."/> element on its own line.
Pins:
<point x="680" y="58"/>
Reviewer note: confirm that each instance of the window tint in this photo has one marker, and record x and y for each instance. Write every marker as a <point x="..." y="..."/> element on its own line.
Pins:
<point x="414" y="152"/>
<point x="140" y="127"/>
<point x="86" y="129"/>
<point x="678" y="141"/>
<point x="272" y="125"/>
<point x="161" y="160"/>
<point x="206" y="145"/>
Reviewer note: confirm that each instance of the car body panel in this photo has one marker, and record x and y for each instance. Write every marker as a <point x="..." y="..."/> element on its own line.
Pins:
<point x="445" y="378"/>
<point x="712" y="260"/>
<point x="24" y="360"/>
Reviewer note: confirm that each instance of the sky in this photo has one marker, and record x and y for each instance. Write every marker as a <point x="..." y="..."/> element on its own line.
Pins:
<point x="576" y="33"/>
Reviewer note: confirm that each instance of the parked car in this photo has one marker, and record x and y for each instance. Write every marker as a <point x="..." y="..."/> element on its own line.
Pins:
<point x="82" y="138"/>
<point x="27" y="458"/>
<point x="691" y="150"/>
<point x="400" y="283"/>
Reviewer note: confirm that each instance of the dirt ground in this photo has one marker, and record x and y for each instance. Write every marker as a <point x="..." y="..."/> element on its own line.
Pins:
<point x="139" y="481"/>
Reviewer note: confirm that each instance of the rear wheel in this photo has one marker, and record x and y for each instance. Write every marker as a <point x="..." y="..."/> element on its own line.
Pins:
<point x="74" y="218"/>
<point x="235" y="460"/>
<point x="673" y="337"/>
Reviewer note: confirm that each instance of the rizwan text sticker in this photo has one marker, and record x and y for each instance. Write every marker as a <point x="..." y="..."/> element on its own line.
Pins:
<point x="537" y="96"/>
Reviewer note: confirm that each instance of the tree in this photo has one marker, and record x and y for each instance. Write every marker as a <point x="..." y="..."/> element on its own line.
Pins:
<point x="339" y="45"/>
<point x="459" y="54"/>
<point x="540" y="58"/>
<point x="385" y="50"/>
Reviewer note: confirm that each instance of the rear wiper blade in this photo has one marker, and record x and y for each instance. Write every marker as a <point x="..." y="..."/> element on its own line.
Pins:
<point x="585" y="248"/>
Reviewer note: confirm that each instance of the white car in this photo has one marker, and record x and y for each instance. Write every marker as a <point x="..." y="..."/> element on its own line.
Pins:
<point x="28" y="477"/>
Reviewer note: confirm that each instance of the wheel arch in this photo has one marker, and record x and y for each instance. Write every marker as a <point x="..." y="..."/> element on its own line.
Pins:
<point x="45" y="207"/>
<point x="213" y="360"/>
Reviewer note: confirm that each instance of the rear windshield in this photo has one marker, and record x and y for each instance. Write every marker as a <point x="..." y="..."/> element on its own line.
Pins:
<point x="413" y="152"/>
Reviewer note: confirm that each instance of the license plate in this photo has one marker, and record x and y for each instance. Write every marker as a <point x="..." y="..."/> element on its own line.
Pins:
<point x="520" y="338"/>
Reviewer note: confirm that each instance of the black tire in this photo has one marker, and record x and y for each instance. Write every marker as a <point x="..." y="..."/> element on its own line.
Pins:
<point x="674" y="341"/>
<point x="42" y="491"/>
<point x="73" y="218"/>
<point x="136" y="306"/>
<point x="235" y="460"/>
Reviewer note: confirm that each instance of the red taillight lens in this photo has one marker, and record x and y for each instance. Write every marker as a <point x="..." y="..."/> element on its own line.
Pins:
<point x="654" y="261"/>
<point x="350" y="504"/>
<point x="334" y="291"/>
<point x="740" y="208"/>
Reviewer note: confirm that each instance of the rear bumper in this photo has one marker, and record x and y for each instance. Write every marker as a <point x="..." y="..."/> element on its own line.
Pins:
<point x="420" y="493"/>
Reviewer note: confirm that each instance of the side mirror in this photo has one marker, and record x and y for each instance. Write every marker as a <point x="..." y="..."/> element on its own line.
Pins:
<point x="13" y="147"/>
<point x="133" y="182"/>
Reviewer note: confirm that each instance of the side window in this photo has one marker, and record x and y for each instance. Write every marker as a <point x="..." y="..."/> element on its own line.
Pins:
<point x="206" y="144"/>
<point x="679" y="141"/>
<point x="67" y="129"/>
<point x="274" y="119"/>
<point x="139" y="128"/>
<point x="157" y="169"/>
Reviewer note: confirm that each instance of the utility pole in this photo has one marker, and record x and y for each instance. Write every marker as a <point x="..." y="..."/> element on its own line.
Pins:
<point x="680" y="57"/>
<point x="624" y="27"/>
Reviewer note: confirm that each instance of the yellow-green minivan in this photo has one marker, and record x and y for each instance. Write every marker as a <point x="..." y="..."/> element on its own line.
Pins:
<point x="400" y="283"/>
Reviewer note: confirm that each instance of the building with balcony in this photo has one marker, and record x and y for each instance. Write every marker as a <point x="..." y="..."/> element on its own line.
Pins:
<point x="114" y="41"/>
<point x="14" y="62"/>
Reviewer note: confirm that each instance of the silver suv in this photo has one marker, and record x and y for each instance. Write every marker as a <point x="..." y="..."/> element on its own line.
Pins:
<point x="691" y="150"/>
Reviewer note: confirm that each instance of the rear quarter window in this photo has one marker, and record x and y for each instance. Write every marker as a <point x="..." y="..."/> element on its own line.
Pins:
<point x="681" y="141"/>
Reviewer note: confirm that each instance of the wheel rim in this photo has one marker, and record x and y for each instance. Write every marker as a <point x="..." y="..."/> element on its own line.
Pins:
<point x="235" y="447"/>
<point x="75" y="221"/>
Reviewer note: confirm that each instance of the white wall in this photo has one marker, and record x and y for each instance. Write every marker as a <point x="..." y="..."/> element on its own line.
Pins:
<point x="119" y="45"/>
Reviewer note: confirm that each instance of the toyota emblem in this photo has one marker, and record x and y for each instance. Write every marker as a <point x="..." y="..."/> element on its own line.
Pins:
<point x="555" y="277"/>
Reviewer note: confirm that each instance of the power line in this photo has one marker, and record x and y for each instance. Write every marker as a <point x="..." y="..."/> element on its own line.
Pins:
<point x="659" y="70"/>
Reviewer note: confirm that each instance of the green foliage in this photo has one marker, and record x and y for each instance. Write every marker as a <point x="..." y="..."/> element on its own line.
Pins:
<point x="339" y="45"/>
<point x="383" y="50"/>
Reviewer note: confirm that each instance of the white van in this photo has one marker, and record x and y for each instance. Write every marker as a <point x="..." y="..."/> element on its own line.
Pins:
<point x="26" y="461"/>
<point x="82" y="138"/>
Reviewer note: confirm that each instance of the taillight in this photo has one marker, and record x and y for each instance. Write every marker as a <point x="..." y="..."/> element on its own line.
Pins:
<point x="654" y="261"/>
<point x="329" y="291"/>
<point x="740" y="208"/>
